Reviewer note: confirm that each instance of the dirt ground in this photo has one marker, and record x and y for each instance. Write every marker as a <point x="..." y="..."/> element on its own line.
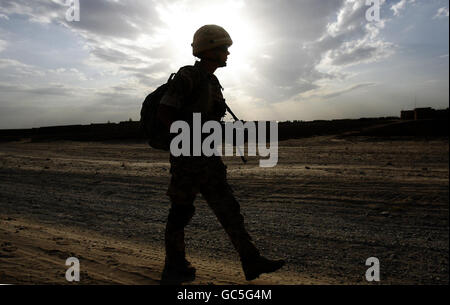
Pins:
<point x="328" y="205"/>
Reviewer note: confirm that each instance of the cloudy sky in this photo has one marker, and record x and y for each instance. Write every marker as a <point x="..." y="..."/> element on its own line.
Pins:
<point x="304" y="60"/>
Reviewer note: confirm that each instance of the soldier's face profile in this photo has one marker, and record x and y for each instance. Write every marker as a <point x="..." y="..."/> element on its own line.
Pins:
<point x="223" y="49"/>
<point x="221" y="53"/>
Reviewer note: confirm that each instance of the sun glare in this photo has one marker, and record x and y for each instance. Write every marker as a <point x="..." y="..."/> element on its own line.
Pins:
<point x="181" y="22"/>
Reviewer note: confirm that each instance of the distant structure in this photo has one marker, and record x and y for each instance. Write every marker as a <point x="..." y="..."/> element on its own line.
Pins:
<point x="407" y="115"/>
<point x="424" y="113"/>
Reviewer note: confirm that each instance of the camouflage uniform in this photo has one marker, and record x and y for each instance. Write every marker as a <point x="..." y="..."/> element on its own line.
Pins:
<point x="195" y="90"/>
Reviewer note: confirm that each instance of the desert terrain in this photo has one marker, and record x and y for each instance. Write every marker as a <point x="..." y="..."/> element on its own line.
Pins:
<point x="329" y="204"/>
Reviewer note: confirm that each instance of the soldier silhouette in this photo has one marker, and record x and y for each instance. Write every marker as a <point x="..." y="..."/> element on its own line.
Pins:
<point x="196" y="89"/>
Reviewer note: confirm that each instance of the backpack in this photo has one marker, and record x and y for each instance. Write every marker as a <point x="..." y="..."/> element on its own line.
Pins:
<point x="157" y="134"/>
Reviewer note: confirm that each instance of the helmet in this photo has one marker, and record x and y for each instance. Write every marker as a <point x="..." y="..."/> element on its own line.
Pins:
<point x="209" y="37"/>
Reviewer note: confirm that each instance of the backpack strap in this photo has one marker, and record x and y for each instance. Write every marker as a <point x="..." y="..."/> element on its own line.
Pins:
<point x="198" y="81"/>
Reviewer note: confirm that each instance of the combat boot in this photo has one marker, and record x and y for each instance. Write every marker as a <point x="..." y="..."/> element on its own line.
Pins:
<point x="253" y="268"/>
<point x="180" y="269"/>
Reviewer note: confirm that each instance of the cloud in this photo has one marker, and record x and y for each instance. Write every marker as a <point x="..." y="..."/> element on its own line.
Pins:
<point x="61" y="72"/>
<point x="330" y="36"/>
<point x="347" y="90"/>
<point x="350" y="40"/>
<point x="114" y="19"/>
<point x="6" y="87"/>
<point x="40" y="11"/>
<point x="329" y="91"/>
<point x="110" y="29"/>
<point x="50" y="89"/>
<point x="123" y="49"/>
<point x="3" y="45"/>
<point x="113" y="56"/>
<point x="441" y="13"/>
<point x="399" y="6"/>
<point x="356" y="52"/>
<point x="15" y="68"/>
<point x="125" y="38"/>
<point x="56" y="89"/>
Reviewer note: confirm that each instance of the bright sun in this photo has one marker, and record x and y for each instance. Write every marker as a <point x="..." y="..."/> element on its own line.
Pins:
<point x="182" y="21"/>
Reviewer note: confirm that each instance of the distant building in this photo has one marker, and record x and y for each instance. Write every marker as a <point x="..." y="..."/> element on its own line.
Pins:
<point x="442" y="114"/>
<point x="424" y="113"/>
<point x="407" y="115"/>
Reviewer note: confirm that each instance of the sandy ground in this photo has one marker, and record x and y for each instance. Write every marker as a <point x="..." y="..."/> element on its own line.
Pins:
<point x="327" y="206"/>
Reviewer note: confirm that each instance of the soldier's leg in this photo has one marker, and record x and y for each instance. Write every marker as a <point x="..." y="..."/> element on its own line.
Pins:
<point x="227" y="211"/>
<point x="182" y="197"/>
<point x="221" y="200"/>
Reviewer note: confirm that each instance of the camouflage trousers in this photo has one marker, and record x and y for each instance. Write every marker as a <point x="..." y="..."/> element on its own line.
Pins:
<point x="205" y="175"/>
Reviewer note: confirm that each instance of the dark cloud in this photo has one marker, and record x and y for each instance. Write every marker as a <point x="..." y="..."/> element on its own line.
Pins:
<point x="344" y="91"/>
<point x="116" y="19"/>
<point x="123" y="19"/>
<point x="150" y="75"/>
<point x="114" y="56"/>
<point x="304" y="20"/>
<point x="103" y="24"/>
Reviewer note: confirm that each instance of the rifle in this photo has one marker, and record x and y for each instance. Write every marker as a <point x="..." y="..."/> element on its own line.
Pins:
<point x="236" y="119"/>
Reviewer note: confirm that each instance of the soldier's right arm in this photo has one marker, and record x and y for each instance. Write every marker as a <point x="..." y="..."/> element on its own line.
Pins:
<point x="179" y="88"/>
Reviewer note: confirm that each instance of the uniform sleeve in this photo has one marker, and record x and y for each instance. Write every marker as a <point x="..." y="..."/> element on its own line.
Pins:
<point x="180" y="87"/>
